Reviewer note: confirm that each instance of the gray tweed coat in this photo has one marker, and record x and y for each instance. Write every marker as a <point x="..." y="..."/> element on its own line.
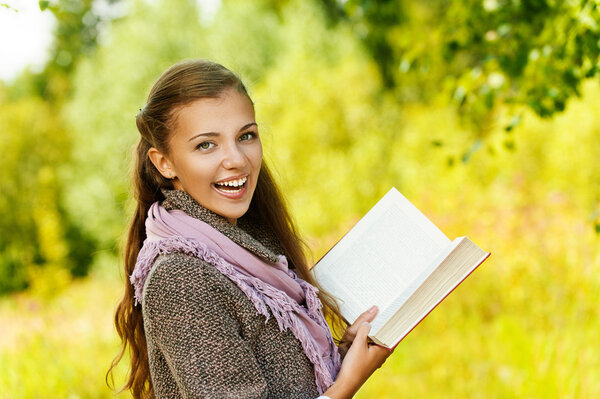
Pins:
<point x="205" y="338"/>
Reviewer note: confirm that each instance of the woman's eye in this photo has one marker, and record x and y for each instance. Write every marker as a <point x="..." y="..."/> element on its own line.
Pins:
<point x="247" y="136"/>
<point x="205" y="145"/>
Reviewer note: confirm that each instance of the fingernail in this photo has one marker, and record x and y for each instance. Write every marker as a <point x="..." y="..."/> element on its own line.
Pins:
<point x="373" y="309"/>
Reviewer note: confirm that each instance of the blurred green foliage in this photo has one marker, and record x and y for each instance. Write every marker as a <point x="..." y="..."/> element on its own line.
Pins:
<point x="480" y="52"/>
<point x="39" y="238"/>
<point x="36" y="231"/>
<point x="351" y="97"/>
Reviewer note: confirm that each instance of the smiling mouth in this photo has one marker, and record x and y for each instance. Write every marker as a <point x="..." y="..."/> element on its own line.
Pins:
<point x="232" y="186"/>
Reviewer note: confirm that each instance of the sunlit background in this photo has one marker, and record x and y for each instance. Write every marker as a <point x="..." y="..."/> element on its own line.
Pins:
<point x="483" y="113"/>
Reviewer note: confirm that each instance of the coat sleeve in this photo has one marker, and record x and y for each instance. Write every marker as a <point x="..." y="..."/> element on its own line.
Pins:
<point x="189" y="317"/>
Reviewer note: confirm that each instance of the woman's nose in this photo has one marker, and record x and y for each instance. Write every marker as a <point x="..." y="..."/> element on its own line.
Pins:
<point x="233" y="157"/>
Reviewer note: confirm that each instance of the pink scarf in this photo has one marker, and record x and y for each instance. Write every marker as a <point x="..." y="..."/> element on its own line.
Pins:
<point x="272" y="286"/>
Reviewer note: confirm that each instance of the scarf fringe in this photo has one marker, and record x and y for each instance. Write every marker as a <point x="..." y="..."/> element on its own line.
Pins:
<point x="261" y="295"/>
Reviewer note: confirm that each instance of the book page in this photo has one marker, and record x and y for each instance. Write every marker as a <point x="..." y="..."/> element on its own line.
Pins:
<point x="380" y="257"/>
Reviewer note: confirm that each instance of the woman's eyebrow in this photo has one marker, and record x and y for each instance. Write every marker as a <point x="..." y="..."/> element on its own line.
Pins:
<point x="248" y="125"/>
<point x="207" y="134"/>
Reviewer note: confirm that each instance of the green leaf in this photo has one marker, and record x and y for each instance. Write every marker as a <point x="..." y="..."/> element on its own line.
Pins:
<point x="44" y="4"/>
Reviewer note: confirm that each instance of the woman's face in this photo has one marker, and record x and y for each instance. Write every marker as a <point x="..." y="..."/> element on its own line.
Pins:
<point x="215" y="153"/>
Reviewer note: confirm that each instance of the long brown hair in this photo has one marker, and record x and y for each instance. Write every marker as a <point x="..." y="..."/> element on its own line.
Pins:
<point x="180" y="85"/>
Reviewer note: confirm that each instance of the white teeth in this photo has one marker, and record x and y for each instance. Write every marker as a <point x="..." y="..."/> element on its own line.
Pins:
<point x="233" y="183"/>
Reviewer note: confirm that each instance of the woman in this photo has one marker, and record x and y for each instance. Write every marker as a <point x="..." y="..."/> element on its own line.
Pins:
<point x="213" y="308"/>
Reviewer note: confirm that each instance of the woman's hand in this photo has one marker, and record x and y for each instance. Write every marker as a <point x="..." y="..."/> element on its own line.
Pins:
<point x="351" y="331"/>
<point x="361" y="360"/>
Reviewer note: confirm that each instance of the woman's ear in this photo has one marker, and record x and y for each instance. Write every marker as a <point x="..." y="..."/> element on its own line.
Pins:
<point x="162" y="163"/>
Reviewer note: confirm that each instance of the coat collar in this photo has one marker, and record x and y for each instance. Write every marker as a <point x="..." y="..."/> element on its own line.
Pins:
<point x="177" y="199"/>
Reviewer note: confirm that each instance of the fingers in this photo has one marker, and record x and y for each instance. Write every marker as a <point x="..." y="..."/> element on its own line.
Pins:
<point x="363" y="332"/>
<point x="373" y="356"/>
<point x="350" y="333"/>
<point x="368" y="315"/>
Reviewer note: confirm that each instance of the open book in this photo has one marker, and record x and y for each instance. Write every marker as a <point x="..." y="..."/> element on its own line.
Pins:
<point x="397" y="259"/>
